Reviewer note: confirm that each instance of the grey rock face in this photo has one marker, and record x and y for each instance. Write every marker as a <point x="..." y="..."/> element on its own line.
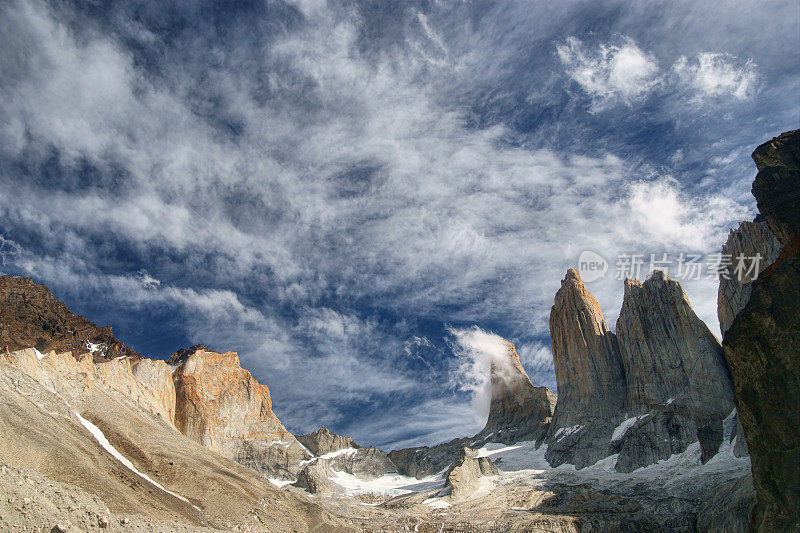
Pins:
<point x="315" y="478"/>
<point x="654" y="436"/>
<point x="518" y="410"/>
<point x="422" y="461"/>
<point x="642" y="393"/>
<point x="589" y="374"/>
<point x="749" y="239"/>
<point x="670" y="356"/>
<point x="366" y="463"/>
<point x="727" y="507"/>
<point x="322" y="441"/>
<point x="462" y="478"/>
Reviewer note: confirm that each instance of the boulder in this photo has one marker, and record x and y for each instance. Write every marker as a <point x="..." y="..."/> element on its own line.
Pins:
<point x="462" y="478"/>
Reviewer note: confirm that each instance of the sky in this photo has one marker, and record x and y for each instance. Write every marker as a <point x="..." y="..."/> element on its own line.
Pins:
<point x="359" y="197"/>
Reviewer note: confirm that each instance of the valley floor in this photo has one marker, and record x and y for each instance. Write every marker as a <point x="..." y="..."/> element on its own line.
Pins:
<point x="528" y="495"/>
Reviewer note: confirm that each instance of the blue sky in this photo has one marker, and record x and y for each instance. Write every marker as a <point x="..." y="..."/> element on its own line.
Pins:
<point x="342" y="192"/>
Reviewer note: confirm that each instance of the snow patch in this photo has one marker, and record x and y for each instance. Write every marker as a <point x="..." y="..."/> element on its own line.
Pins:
<point x="565" y="432"/>
<point x="107" y="446"/>
<point x="92" y="347"/>
<point x="280" y="482"/>
<point x="624" y="426"/>
<point x="436" y="503"/>
<point x="39" y="355"/>
<point x="388" y="484"/>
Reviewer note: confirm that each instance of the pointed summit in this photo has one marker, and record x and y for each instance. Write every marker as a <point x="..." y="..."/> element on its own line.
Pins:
<point x="518" y="410"/>
<point x="589" y="375"/>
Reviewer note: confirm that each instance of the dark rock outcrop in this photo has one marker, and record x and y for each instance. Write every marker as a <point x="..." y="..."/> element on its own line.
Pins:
<point x="749" y="239"/>
<point x="763" y="345"/>
<point x="776" y="186"/>
<point x="31" y="317"/>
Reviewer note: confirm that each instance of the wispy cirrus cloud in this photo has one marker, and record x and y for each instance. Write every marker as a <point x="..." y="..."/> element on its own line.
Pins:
<point x="326" y="188"/>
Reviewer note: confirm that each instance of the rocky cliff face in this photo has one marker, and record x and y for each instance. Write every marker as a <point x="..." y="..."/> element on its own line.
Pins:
<point x="669" y="354"/>
<point x="589" y="374"/>
<point x="518" y="410"/>
<point x="49" y="402"/>
<point x="31" y="317"/>
<point x="344" y="455"/>
<point x="643" y="393"/>
<point x="749" y="239"/>
<point x="322" y="441"/>
<point x="221" y="406"/>
<point x="678" y="382"/>
<point x="763" y="345"/>
<point x="775" y="187"/>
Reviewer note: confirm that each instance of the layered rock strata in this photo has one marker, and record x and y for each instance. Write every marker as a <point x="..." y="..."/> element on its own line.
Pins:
<point x="762" y="345"/>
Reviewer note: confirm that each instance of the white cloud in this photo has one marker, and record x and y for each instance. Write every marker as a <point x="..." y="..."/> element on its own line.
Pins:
<point x="449" y="220"/>
<point x="716" y="74"/>
<point x="610" y="71"/>
<point x="478" y="351"/>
